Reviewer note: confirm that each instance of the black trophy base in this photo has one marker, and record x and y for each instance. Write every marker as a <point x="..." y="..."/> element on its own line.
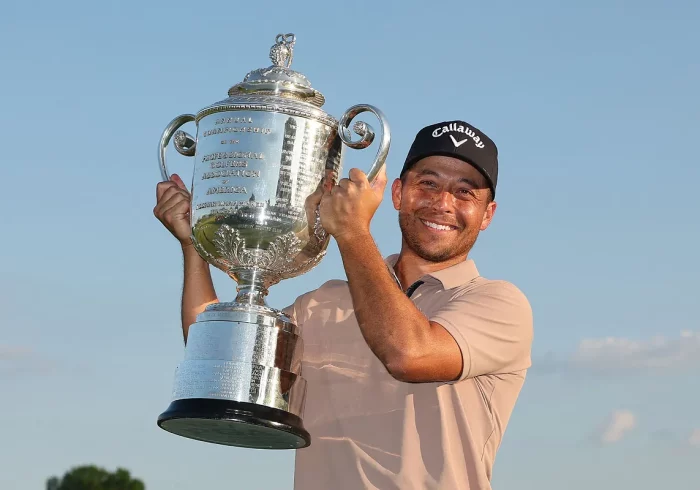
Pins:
<point x="234" y="424"/>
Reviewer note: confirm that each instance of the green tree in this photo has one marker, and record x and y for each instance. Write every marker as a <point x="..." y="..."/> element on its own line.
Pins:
<point x="94" y="478"/>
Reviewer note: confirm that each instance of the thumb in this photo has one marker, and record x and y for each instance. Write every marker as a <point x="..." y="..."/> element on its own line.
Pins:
<point x="176" y="178"/>
<point x="379" y="182"/>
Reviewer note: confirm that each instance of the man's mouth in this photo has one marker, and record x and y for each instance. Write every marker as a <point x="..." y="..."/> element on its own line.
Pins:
<point x="438" y="226"/>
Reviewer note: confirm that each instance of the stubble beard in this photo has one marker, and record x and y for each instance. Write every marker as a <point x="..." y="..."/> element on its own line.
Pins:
<point x="459" y="248"/>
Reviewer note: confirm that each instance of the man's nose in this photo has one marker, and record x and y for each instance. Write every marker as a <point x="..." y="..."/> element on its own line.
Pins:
<point x="444" y="201"/>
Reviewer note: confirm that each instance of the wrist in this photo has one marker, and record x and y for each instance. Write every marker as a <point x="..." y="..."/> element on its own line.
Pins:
<point x="188" y="249"/>
<point x="350" y="237"/>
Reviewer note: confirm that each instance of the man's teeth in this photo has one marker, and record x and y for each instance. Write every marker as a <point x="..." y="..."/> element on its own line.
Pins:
<point x="436" y="226"/>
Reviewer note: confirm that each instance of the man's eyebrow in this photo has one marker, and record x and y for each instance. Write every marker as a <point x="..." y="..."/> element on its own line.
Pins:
<point x="471" y="182"/>
<point x="427" y="171"/>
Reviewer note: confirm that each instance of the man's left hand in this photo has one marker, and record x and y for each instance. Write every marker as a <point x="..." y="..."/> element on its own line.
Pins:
<point x="347" y="209"/>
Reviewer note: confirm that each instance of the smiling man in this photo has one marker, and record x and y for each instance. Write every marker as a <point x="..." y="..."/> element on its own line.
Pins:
<point x="413" y="364"/>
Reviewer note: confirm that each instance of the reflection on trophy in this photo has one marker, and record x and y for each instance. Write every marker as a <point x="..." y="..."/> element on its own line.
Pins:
<point x="259" y="155"/>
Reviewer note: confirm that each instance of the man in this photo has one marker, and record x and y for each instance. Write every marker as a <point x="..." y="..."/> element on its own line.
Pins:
<point x="413" y="364"/>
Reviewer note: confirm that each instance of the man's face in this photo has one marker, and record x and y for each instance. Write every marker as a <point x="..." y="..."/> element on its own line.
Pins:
<point x="443" y="204"/>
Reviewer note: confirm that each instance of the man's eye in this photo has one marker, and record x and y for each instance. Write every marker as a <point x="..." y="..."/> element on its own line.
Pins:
<point x="427" y="182"/>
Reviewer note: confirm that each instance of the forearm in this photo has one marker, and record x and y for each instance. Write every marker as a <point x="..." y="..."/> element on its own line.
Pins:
<point x="394" y="329"/>
<point x="198" y="288"/>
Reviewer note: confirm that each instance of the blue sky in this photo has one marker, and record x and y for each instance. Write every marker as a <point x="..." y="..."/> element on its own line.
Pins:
<point x="595" y="109"/>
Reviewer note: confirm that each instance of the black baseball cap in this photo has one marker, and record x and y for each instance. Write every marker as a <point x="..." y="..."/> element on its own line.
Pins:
<point x="457" y="139"/>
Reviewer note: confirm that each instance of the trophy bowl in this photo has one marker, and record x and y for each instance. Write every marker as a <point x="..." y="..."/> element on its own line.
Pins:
<point x="261" y="158"/>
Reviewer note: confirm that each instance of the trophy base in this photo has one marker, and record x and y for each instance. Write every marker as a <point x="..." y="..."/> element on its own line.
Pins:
<point x="232" y="423"/>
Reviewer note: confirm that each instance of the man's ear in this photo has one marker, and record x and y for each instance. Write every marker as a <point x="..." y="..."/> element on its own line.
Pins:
<point x="488" y="215"/>
<point x="396" y="188"/>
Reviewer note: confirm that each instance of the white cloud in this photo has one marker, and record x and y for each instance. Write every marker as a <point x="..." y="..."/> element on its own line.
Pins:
<point x="13" y="352"/>
<point x="621" y="421"/>
<point x="654" y="353"/>
<point x="694" y="439"/>
<point x="19" y="360"/>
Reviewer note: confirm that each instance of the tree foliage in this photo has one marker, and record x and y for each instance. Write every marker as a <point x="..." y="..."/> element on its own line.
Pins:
<point x="94" y="478"/>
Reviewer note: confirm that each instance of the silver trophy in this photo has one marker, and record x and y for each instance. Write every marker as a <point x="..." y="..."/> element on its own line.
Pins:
<point x="259" y="155"/>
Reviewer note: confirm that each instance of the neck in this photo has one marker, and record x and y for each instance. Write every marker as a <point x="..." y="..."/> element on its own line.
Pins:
<point x="410" y="267"/>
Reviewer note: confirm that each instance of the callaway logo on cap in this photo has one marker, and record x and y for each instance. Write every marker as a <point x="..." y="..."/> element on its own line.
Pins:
<point x="456" y="139"/>
<point x="459" y="128"/>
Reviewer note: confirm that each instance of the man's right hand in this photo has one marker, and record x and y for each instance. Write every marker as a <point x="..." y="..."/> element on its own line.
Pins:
<point x="173" y="208"/>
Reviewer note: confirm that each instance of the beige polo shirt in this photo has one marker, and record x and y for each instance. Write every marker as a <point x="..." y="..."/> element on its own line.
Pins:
<point x="370" y="431"/>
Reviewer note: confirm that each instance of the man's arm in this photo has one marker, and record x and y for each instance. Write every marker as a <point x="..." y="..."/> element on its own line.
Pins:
<point x="172" y="209"/>
<point x="411" y="347"/>
<point x="472" y="335"/>
<point x="198" y="288"/>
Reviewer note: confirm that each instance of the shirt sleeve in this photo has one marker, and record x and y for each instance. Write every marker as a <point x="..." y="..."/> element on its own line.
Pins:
<point x="493" y="328"/>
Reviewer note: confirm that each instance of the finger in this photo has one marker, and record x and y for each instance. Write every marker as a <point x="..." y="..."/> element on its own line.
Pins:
<point x="344" y="183"/>
<point x="325" y="202"/>
<point x="358" y="176"/>
<point x="342" y="193"/>
<point x="164" y="196"/>
<point x="328" y="181"/>
<point x="162" y="187"/>
<point x="171" y="190"/>
<point x="176" y="178"/>
<point x="175" y="198"/>
<point x="313" y="200"/>
<point x="381" y="176"/>
<point x="380" y="181"/>
<point x="318" y="192"/>
<point x="177" y="210"/>
<point x="172" y="201"/>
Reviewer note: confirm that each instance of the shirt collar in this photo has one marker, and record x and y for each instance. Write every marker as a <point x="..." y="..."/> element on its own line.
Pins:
<point x="450" y="277"/>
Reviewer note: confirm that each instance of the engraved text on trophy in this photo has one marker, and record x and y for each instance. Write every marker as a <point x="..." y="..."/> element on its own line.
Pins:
<point x="250" y="188"/>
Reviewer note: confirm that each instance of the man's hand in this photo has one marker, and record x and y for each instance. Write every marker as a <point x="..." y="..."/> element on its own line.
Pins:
<point x="173" y="208"/>
<point x="347" y="209"/>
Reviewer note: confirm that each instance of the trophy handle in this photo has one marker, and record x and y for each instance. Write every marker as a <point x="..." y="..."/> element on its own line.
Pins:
<point x="184" y="143"/>
<point x="366" y="133"/>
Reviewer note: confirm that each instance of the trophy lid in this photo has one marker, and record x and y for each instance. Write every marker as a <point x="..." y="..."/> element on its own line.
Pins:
<point x="279" y="79"/>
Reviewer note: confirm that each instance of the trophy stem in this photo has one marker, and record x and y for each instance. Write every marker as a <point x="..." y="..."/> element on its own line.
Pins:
<point x="251" y="295"/>
<point x="251" y="288"/>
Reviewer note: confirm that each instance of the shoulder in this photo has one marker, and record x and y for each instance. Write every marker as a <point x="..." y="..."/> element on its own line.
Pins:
<point x="497" y="290"/>
<point x="491" y="321"/>
<point x="493" y="302"/>
<point x="331" y="295"/>
<point x="332" y="290"/>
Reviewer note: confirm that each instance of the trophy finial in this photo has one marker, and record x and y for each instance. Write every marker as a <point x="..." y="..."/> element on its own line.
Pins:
<point x="279" y="78"/>
<point x="282" y="53"/>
